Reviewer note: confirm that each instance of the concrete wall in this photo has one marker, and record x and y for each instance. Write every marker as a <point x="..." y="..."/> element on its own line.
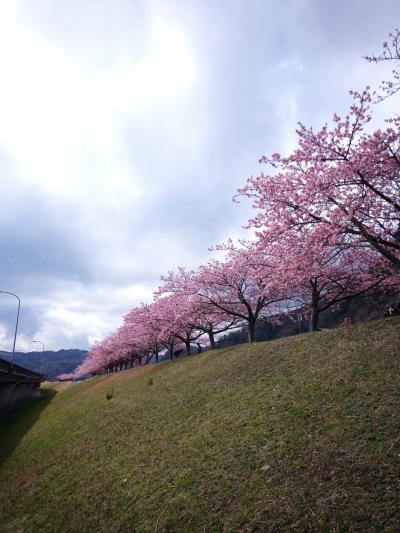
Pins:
<point x="12" y="394"/>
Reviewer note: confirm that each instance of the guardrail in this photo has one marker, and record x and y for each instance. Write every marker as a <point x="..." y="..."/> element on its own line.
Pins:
<point x="17" y="384"/>
<point x="11" y="373"/>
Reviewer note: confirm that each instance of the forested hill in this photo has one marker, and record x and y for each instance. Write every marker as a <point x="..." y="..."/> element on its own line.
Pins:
<point x="296" y="434"/>
<point x="54" y="363"/>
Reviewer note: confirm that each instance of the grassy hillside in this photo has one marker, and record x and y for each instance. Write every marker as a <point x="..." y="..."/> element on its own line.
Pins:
<point x="295" y="434"/>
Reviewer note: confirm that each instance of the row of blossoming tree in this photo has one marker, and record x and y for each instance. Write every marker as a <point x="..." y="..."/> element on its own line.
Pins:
<point x="327" y="227"/>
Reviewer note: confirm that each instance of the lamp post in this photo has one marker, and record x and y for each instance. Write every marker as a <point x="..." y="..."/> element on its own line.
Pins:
<point x="16" y="324"/>
<point x="299" y="318"/>
<point x="41" y="359"/>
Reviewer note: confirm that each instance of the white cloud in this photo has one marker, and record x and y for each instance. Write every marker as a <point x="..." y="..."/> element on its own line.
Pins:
<point x="63" y="126"/>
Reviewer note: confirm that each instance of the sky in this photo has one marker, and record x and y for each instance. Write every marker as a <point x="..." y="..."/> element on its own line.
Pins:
<point x="127" y="126"/>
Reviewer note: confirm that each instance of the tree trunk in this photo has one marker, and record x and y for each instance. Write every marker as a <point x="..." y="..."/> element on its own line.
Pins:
<point x="187" y="344"/>
<point x="157" y="356"/>
<point x="314" y="319"/>
<point x="251" y="331"/>
<point x="212" y="340"/>
<point x="314" y="308"/>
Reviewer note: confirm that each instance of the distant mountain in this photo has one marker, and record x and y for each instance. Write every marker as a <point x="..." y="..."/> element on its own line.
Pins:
<point x="54" y="363"/>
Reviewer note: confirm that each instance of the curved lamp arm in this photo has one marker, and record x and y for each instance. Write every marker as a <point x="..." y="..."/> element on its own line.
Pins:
<point x="16" y="325"/>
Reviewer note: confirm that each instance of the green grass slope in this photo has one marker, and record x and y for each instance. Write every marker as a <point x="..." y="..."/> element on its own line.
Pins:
<point x="302" y="433"/>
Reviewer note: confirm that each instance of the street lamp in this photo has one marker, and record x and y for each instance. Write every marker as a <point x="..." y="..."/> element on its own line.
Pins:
<point x="16" y="325"/>
<point x="299" y="319"/>
<point x="41" y="359"/>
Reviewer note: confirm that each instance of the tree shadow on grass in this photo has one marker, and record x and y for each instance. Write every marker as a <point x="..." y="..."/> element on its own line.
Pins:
<point x="16" y="423"/>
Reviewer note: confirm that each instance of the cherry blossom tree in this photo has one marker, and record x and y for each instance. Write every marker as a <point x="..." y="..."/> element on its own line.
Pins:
<point x="204" y="318"/>
<point x="67" y="377"/>
<point x="320" y="276"/>
<point x="178" y="317"/>
<point x="96" y="361"/>
<point x="390" y="52"/>
<point x="142" y="329"/>
<point x="343" y="180"/>
<point x="213" y="322"/>
<point x="232" y="287"/>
